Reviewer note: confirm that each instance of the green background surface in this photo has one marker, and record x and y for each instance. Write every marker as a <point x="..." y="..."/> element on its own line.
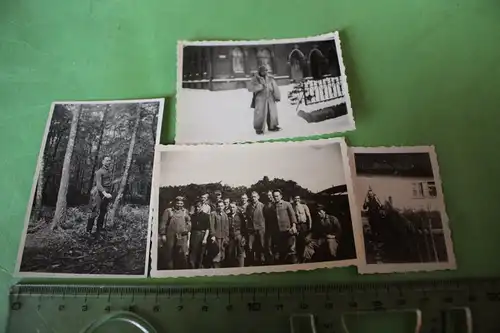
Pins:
<point x="419" y="72"/>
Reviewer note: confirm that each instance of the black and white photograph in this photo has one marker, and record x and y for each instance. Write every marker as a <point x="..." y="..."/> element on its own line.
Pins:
<point x="247" y="91"/>
<point x="89" y="208"/>
<point x="252" y="208"/>
<point x="403" y="215"/>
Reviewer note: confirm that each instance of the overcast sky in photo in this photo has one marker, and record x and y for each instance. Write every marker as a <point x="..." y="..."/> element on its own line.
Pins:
<point x="315" y="167"/>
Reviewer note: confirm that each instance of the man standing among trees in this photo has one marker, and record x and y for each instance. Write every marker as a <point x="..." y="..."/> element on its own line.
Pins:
<point x="304" y="223"/>
<point x="175" y="229"/>
<point x="287" y="227"/>
<point x="100" y="196"/>
<point x="256" y="230"/>
<point x="200" y="225"/>
<point x="219" y="233"/>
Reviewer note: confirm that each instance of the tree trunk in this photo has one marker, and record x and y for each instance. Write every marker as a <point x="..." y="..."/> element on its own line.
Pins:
<point x="154" y="124"/>
<point x="99" y="143"/>
<point x="39" y="192"/>
<point x="128" y="163"/>
<point x="60" y="213"/>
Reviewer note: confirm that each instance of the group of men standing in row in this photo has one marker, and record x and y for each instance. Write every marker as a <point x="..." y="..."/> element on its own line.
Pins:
<point x="248" y="233"/>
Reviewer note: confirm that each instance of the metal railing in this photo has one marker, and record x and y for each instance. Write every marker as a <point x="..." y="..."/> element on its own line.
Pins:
<point x="320" y="91"/>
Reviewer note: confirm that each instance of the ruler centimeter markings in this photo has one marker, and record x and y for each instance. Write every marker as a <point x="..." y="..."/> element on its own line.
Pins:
<point x="67" y="308"/>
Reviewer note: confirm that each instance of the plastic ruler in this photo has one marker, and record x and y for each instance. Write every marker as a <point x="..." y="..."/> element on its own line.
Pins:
<point x="433" y="306"/>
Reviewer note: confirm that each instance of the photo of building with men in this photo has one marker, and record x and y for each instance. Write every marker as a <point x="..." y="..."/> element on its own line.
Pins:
<point x="217" y="210"/>
<point x="402" y="209"/>
<point x="248" y="91"/>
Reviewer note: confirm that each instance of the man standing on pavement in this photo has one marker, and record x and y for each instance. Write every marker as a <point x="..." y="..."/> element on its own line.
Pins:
<point x="287" y="229"/>
<point x="219" y="233"/>
<point x="304" y="223"/>
<point x="175" y="228"/>
<point x="200" y="226"/>
<point x="236" y="248"/>
<point x="256" y="230"/>
<point x="100" y="196"/>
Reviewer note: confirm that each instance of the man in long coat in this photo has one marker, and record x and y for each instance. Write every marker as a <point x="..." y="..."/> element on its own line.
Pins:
<point x="265" y="95"/>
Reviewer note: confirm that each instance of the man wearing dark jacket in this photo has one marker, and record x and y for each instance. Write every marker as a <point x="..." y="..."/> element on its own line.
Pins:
<point x="100" y="196"/>
<point x="325" y="236"/>
<point x="287" y="229"/>
<point x="271" y="226"/>
<point x="256" y="230"/>
<point x="200" y="227"/>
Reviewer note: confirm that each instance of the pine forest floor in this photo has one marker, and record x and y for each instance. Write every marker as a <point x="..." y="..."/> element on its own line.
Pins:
<point x="120" y="249"/>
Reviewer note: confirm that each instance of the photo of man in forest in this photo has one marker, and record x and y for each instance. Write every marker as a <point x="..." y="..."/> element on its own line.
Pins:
<point x="100" y="196"/>
<point x="89" y="209"/>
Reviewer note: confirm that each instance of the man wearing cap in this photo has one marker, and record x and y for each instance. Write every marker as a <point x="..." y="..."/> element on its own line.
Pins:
<point x="265" y="95"/>
<point x="287" y="229"/>
<point x="200" y="226"/>
<point x="304" y="223"/>
<point x="236" y="250"/>
<point x="219" y="233"/>
<point x="256" y="230"/>
<point x="326" y="235"/>
<point x="175" y="227"/>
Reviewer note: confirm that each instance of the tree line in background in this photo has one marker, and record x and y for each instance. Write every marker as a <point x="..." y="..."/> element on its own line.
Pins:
<point x="192" y="191"/>
<point x="79" y="137"/>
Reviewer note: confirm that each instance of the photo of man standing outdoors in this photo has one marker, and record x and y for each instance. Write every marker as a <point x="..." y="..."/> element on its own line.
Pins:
<point x="266" y="94"/>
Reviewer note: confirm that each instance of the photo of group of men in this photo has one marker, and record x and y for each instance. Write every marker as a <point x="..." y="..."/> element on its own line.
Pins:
<point x="256" y="229"/>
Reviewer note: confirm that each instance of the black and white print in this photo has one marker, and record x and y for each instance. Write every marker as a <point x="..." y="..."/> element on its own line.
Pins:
<point x="403" y="216"/>
<point x="241" y="209"/>
<point x="243" y="91"/>
<point x="90" y="204"/>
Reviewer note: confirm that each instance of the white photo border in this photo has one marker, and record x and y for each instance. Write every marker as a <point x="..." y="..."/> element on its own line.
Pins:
<point x="155" y="273"/>
<point x="322" y="37"/>
<point x="23" y="274"/>
<point x="364" y="267"/>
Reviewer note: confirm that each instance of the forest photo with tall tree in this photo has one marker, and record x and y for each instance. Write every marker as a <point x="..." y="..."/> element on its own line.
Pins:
<point x="90" y="205"/>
